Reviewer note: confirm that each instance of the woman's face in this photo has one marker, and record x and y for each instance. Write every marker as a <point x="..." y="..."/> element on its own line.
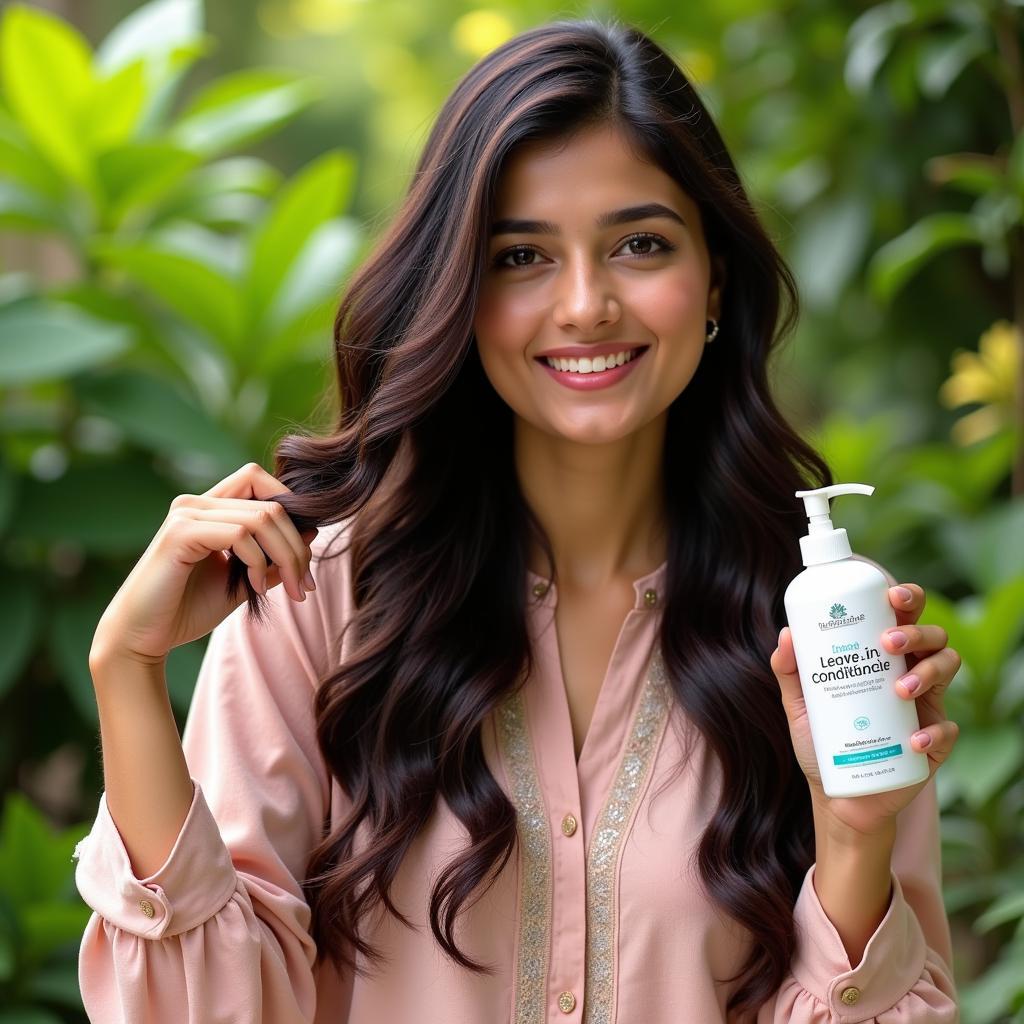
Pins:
<point x="580" y="285"/>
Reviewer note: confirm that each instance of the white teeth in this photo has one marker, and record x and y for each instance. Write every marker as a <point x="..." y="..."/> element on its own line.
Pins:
<point x="596" y="365"/>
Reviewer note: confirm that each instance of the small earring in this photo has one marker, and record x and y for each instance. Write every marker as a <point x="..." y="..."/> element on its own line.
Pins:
<point x="711" y="337"/>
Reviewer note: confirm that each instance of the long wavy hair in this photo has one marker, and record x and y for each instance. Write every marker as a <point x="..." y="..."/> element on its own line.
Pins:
<point x="423" y="452"/>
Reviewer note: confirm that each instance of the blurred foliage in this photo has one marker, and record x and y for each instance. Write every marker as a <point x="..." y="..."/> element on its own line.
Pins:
<point x="210" y="220"/>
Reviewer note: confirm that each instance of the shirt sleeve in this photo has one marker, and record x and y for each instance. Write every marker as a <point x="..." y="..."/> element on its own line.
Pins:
<point x="905" y="974"/>
<point x="221" y="930"/>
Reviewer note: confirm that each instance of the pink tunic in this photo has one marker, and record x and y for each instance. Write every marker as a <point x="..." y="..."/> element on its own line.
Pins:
<point x="596" y="919"/>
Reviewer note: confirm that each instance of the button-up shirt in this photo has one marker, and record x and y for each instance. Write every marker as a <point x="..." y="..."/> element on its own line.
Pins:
<point x="599" y="917"/>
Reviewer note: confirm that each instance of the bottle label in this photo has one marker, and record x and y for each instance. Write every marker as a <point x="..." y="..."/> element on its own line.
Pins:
<point x="860" y="725"/>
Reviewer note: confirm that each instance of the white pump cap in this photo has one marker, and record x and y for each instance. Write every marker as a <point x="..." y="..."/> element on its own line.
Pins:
<point x="822" y="542"/>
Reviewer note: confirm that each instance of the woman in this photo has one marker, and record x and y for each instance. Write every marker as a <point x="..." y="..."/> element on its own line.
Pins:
<point x="533" y="748"/>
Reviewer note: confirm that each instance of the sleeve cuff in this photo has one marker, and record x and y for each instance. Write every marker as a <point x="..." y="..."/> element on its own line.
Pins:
<point x="892" y="963"/>
<point x="195" y="881"/>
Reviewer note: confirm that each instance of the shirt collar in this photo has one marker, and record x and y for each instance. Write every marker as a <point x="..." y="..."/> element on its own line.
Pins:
<point x="649" y="589"/>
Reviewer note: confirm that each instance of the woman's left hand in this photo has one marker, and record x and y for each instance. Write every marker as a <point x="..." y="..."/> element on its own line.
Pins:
<point x="933" y="662"/>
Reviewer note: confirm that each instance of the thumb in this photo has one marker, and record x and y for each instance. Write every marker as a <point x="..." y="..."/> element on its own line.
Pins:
<point x="783" y="663"/>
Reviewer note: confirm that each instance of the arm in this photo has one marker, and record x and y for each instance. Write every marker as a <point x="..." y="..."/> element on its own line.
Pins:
<point x="218" y="929"/>
<point x="872" y="936"/>
<point x="853" y="883"/>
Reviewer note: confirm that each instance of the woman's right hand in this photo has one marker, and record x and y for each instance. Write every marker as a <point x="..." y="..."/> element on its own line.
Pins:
<point x="177" y="591"/>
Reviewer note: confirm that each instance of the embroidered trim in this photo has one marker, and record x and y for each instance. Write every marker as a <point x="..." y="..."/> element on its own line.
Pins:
<point x="599" y="990"/>
<point x="535" y="842"/>
<point x="535" y="838"/>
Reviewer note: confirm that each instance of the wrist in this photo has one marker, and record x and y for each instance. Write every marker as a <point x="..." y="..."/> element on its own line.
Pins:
<point x="836" y="836"/>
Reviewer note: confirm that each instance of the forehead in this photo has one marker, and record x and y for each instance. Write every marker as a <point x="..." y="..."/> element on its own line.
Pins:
<point x="572" y="181"/>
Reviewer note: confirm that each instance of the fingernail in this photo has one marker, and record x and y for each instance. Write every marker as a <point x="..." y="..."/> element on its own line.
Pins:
<point x="911" y="683"/>
<point x="781" y="631"/>
<point x="308" y="580"/>
<point x="898" y="639"/>
<point x="924" y="739"/>
<point x="903" y="594"/>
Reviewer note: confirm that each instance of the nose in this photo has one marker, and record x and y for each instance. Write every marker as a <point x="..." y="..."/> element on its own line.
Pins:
<point x="586" y="298"/>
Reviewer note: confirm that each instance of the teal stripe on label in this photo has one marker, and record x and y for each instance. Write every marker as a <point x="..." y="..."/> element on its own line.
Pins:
<point x="869" y="755"/>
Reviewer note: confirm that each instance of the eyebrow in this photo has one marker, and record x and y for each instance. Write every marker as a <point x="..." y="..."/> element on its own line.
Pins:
<point x="515" y="226"/>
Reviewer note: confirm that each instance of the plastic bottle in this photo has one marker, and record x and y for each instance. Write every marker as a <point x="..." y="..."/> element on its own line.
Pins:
<point x="837" y="610"/>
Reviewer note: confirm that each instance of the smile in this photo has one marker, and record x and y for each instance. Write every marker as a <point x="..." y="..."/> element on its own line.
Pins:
<point x="586" y="374"/>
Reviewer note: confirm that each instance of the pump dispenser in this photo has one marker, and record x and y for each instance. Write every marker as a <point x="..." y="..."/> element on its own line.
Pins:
<point x="838" y="609"/>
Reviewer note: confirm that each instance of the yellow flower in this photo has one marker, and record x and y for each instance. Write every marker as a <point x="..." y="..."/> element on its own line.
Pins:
<point x="988" y="377"/>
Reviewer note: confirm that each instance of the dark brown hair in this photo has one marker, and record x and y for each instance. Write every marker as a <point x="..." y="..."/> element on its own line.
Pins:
<point x="422" y="451"/>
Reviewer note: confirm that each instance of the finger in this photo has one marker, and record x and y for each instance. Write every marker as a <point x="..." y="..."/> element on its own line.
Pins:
<point x="264" y="523"/>
<point x="248" y="481"/>
<point x="907" y="609"/>
<point x="783" y="664"/>
<point x="202" y="538"/>
<point x="906" y="638"/>
<point x="933" y="673"/>
<point x="300" y="541"/>
<point x="936" y="740"/>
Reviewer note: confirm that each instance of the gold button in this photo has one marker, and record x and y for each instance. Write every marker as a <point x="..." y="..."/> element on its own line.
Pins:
<point x="147" y="907"/>
<point x="850" y="995"/>
<point x="567" y="1002"/>
<point x="540" y="589"/>
<point x="569" y="824"/>
<point x="650" y="596"/>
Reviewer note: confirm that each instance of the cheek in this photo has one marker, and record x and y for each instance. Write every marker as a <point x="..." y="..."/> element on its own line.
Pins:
<point x="671" y="305"/>
<point x="504" y="327"/>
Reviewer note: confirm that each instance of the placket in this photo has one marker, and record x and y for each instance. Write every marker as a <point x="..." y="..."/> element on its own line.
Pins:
<point x="573" y="796"/>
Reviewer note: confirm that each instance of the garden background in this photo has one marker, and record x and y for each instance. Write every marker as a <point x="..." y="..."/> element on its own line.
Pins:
<point x="183" y="192"/>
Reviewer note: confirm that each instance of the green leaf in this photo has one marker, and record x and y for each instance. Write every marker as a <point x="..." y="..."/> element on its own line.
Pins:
<point x="167" y="35"/>
<point x="29" y="211"/>
<point x="896" y="261"/>
<point x="991" y="996"/>
<point x="973" y="173"/>
<point x="21" y="610"/>
<point x="870" y="41"/>
<point x="45" y="66"/>
<point x="154" y="32"/>
<point x="312" y="197"/>
<point x="228" y="193"/>
<point x="830" y="245"/>
<point x="242" y="107"/>
<point x="107" y="508"/>
<point x="156" y="413"/>
<point x="990" y="629"/>
<point x="984" y="760"/>
<point x="72" y="627"/>
<point x="29" y="873"/>
<point x="1015" y="167"/>
<point x="140" y="174"/>
<point x="942" y="59"/>
<point x="115" y="107"/>
<point x="57" y="983"/>
<point x="1008" y="907"/>
<point x="989" y="549"/>
<point x="43" y="340"/>
<point x="197" y="292"/>
<point x="20" y="160"/>
<point x="48" y="926"/>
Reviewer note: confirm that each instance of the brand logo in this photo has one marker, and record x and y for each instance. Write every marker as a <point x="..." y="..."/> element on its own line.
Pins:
<point x="839" y="616"/>
<point x="862" y="722"/>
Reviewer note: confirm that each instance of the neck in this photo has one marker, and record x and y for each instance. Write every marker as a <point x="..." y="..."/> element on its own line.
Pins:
<point x="602" y="506"/>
